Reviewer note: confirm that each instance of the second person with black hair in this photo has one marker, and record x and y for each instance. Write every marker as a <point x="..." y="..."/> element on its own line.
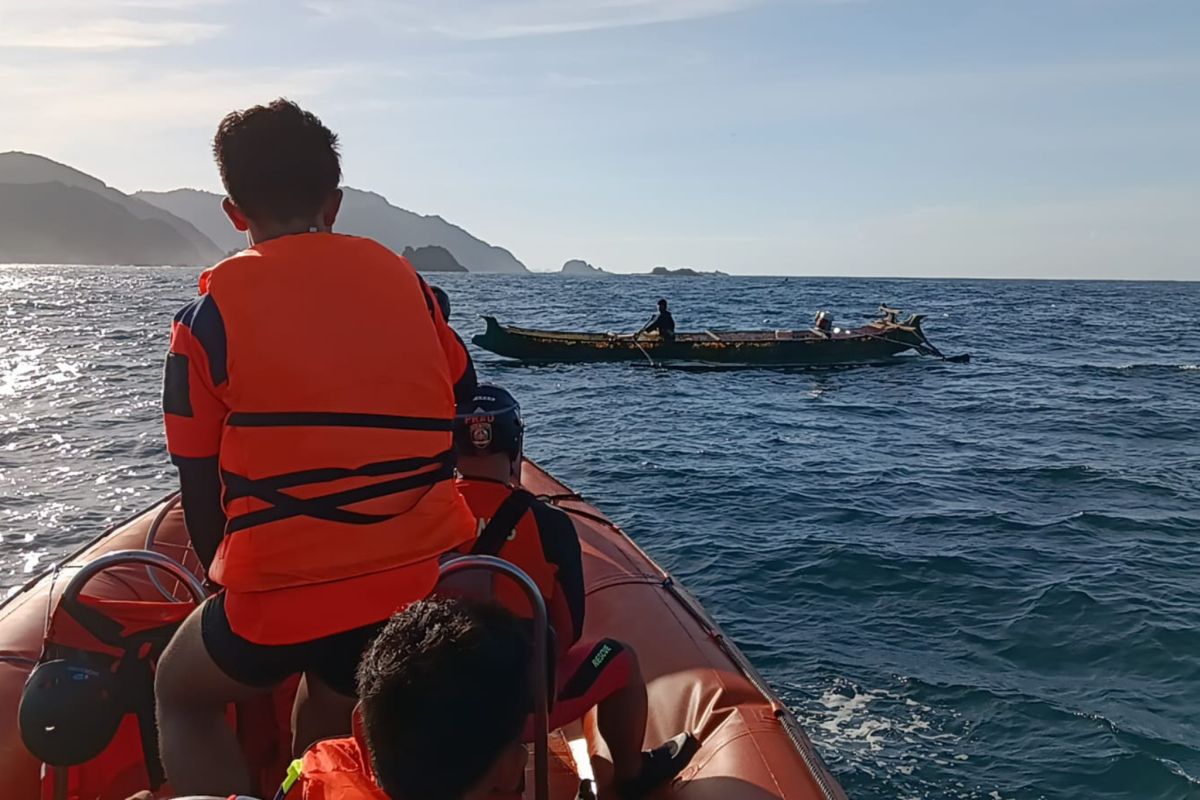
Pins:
<point x="309" y="402"/>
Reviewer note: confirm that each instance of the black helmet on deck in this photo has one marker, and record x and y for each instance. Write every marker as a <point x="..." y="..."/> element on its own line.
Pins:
<point x="69" y="712"/>
<point x="490" y="423"/>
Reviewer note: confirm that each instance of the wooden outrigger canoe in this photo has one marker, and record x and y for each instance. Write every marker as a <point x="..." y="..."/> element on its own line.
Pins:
<point x="751" y="746"/>
<point x="878" y="341"/>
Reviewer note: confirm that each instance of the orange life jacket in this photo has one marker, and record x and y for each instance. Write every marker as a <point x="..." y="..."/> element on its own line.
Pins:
<point x="523" y="548"/>
<point x="336" y="456"/>
<point x="337" y="769"/>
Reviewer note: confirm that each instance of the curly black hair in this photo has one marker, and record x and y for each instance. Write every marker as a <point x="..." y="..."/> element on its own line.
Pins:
<point x="445" y="688"/>
<point x="278" y="162"/>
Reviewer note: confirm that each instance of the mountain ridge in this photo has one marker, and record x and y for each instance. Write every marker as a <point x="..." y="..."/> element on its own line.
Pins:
<point x="364" y="213"/>
<point x="102" y="231"/>
<point x="19" y="168"/>
<point x="59" y="214"/>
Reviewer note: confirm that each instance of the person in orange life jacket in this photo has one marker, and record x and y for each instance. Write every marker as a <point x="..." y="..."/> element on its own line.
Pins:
<point x="309" y="403"/>
<point x="542" y="540"/>
<point x="445" y="692"/>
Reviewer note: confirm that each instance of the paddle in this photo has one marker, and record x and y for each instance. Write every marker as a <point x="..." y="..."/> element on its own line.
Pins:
<point x="928" y="348"/>
<point x="638" y="345"/>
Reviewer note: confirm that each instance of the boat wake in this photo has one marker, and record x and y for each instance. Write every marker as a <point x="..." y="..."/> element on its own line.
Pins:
<point x="885" y="740"/>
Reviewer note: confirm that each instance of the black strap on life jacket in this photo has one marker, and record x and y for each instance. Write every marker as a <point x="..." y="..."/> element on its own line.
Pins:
<point x="134" y="673"/>
<point x="335" y="419"/>
<point x="136" y="678"/>
<point x="491" y="540"/>
<point x="401" y="475"/>
<point x="495" y="533"/>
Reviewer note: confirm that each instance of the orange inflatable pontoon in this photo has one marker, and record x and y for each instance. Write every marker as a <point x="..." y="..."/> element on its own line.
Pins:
<point x="751" y="745"/>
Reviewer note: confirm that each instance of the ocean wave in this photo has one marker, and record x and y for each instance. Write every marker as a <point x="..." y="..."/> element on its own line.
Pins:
<point x="970" y="581"/>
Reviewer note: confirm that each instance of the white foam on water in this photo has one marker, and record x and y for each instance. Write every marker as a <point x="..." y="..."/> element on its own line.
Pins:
<point x="879" y="732"/>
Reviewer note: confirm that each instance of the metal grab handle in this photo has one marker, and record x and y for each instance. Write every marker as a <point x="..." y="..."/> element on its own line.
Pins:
<point x="151" y="540"/>
<point x="119" y="557"/>
<point x="541" y="714"/>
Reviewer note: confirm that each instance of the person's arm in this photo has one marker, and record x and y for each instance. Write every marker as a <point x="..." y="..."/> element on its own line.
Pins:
<point x="464" y="388"/>
<point x="193" y="414"/>
<point x="462" y="369"/>
<point x="652" y="325"/>
<point x="560" y="547"/>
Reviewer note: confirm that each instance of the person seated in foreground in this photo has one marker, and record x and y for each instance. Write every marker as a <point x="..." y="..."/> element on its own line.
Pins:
<point x="445" y="691"/>
<point x="309" y="400"/>
<point x="663" y="322"/>
<point x="542" y="541"/>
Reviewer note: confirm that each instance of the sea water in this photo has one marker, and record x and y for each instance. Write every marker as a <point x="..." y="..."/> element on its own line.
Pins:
<point x="969" y="581"/>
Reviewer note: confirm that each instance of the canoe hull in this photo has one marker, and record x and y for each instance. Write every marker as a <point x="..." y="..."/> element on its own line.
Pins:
<point x="783" y="348"/>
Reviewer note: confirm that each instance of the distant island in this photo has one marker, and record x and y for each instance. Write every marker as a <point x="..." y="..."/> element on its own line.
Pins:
<point x="432" y="259"/>
<point x="581" y="268"/>
<point x="51" y="213"/>
<point x="686" y="272"/>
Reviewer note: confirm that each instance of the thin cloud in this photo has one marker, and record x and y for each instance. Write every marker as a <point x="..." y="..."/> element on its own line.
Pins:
<point x="111" y="34"/>
<point x="510" y="19"/>
<point x="55" y="103"/>
<point x="876" y="93"/>
<point x="76" y="25"/>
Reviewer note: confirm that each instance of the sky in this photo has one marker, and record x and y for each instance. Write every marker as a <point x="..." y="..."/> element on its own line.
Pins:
<point x="982" y="138"/>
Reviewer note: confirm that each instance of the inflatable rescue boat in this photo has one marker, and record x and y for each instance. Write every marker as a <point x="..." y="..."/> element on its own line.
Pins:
<point x="111" y="607"/>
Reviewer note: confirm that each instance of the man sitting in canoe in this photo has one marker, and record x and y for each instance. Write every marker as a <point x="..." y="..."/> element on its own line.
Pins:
<point x="309" y="403"/>
<point x="542" y="541"/>
<point x="663" y="322"/>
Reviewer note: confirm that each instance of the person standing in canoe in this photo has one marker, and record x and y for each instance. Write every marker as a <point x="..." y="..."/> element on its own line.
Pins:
<point x="309" y="401"/>
<point x="601" y="672"/>
<point x="662" y="322"/>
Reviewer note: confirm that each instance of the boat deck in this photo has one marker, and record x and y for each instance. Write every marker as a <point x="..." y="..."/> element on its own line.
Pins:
<point x="751" y="746"/>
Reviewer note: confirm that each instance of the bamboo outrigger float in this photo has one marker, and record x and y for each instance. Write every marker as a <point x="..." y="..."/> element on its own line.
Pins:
<point x="875" y="342"/>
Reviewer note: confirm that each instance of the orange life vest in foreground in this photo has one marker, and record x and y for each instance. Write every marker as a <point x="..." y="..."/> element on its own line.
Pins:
<point x="336" y="456"/>
<point x="337" y="769"/>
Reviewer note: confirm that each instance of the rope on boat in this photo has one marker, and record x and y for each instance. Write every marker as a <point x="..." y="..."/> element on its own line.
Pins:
<point x="924" y="347"/>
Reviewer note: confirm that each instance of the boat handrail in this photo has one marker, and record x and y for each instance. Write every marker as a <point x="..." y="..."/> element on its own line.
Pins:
<point x="119" y="557"/>
<point x="151" y="543"/>
<point x="541" y="700"/>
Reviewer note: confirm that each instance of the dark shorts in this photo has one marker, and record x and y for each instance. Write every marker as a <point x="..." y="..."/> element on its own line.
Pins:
<point x="333" y="659"/>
